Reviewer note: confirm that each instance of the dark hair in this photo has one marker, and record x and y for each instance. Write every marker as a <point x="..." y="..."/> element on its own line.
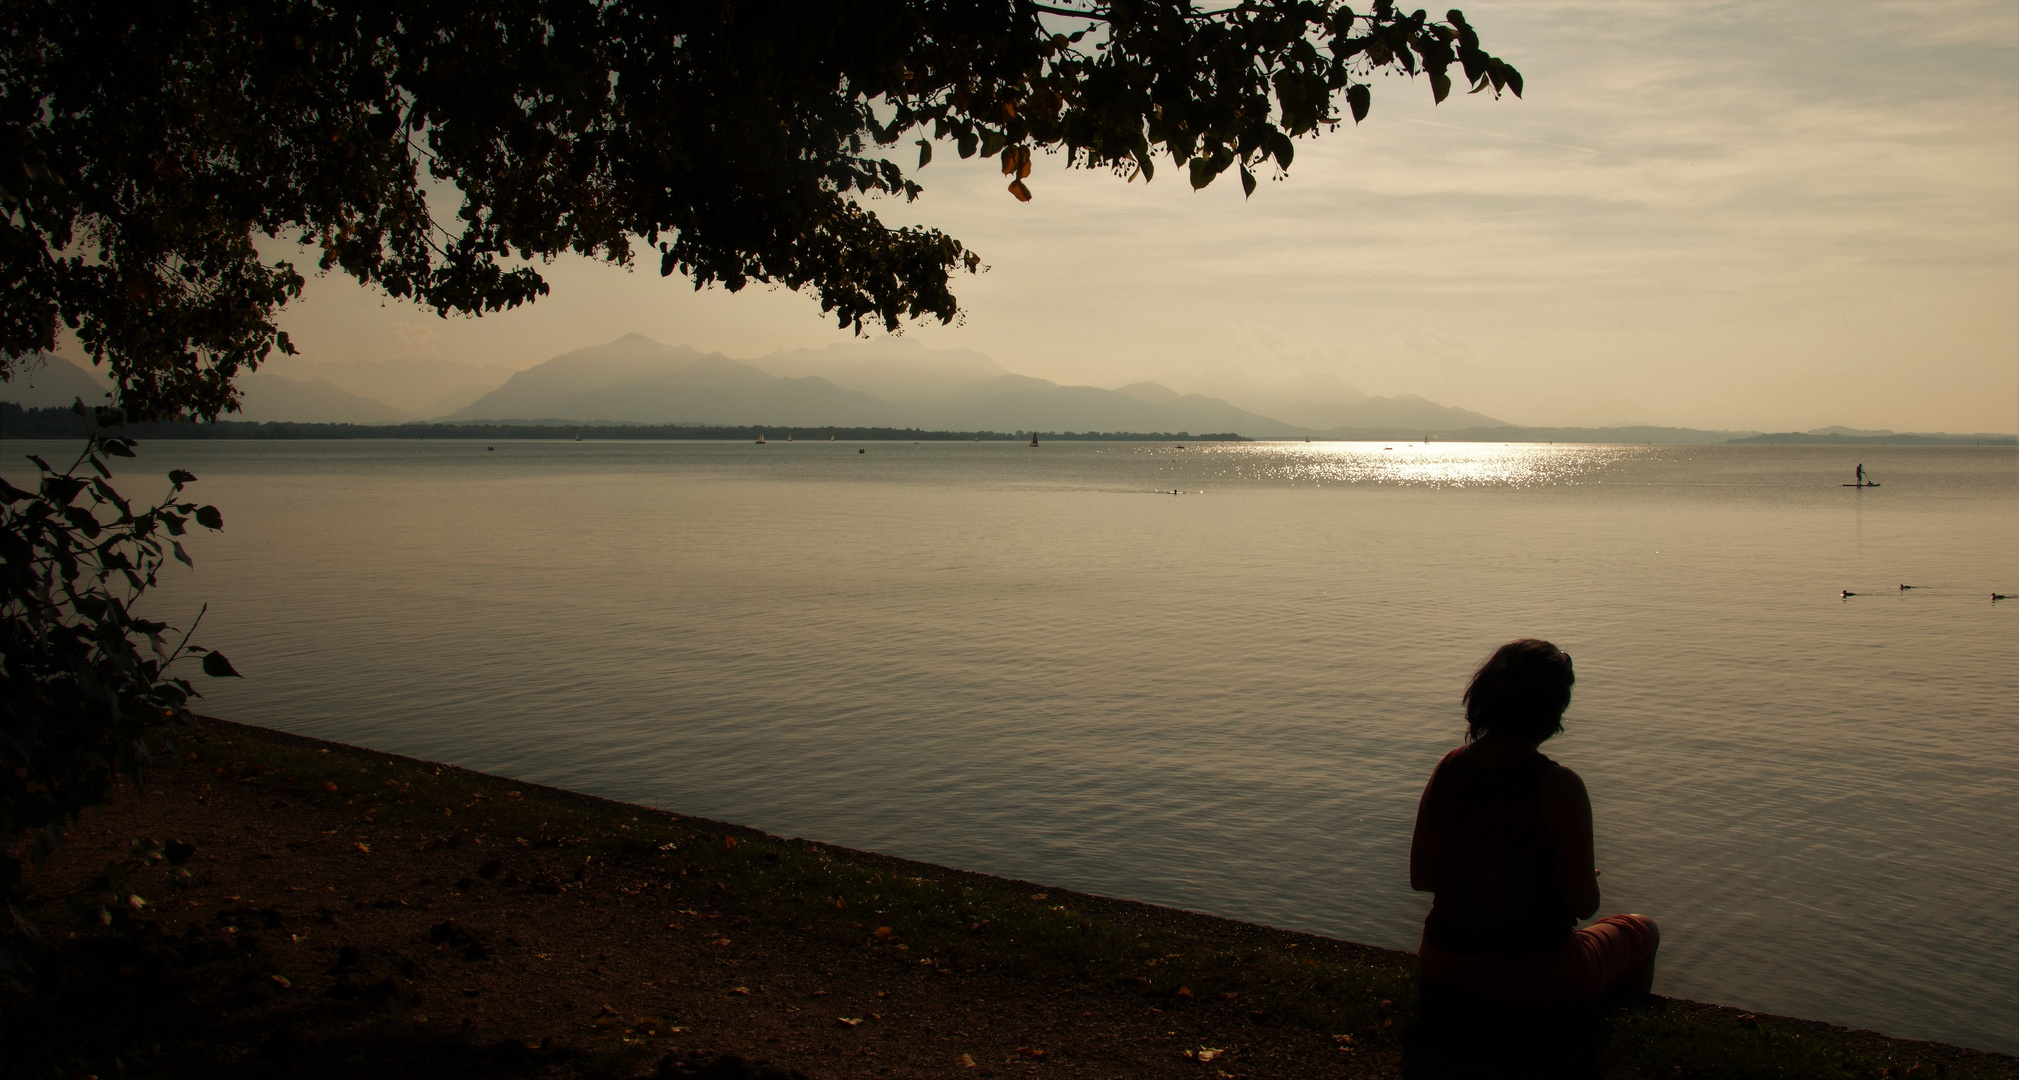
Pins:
<point x="1521" y="690"/>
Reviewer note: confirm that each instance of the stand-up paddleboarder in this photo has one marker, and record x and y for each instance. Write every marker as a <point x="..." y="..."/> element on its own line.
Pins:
<point x="1861" y="474"/>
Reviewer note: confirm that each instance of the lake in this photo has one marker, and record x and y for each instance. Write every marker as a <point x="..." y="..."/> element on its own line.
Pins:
<point x="1042" y="663"/>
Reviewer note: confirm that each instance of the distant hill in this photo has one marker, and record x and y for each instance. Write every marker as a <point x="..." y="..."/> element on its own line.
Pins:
<point x="1827" y="437"/>
<point x="425" y="387"/>
<point x="47" y="380"/>
<point x="1635" y="433"/>
<point x="1020" y="403"/>
<point x="1321" y="403"/>
<point x="283" y="389"/>
<point x="266" y="396"/>
<point x="898" y="371"/>
<point x="638" y="380"/>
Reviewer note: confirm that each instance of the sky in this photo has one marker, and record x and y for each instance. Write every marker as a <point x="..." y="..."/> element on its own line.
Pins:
<point x="1770" y="216"/>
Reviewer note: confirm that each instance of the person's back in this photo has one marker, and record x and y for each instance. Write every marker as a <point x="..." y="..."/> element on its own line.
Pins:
<point x="1504" y="841"/>
<point x="1496" y="874"/>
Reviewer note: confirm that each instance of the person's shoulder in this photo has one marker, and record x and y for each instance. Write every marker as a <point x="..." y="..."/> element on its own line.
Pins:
<point x="1450" y="763"/>
<point x="1562" y="781"/>
<point x="1453" y="759"/>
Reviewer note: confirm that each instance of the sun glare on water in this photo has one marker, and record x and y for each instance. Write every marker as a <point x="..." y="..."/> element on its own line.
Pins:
<point x="1430" y="464"/>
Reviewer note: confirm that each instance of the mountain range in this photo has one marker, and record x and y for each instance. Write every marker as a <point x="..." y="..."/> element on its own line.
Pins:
<point x="902" y="384"/>
<point x="888" y="383"/>
<point x="893" y="383"/>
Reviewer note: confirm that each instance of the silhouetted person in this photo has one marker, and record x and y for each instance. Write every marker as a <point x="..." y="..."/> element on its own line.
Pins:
<point x="1861" y="474"/>
<point x="1503" y="838"/>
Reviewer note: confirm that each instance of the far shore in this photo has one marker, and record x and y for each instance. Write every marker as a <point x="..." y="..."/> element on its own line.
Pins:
<point x="348" y="911"/>
<point x="59" y="423"/>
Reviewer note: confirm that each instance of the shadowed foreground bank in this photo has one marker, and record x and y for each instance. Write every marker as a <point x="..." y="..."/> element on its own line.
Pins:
<point x="349" y="912"/>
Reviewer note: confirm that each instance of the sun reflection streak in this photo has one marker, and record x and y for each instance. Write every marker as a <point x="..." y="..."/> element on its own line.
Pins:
<point x="1433" y="464"/>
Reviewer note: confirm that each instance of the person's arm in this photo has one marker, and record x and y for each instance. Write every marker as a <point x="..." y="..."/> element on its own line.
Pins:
<point x="1423" y="844"/>
<point x="1566" y="807"/>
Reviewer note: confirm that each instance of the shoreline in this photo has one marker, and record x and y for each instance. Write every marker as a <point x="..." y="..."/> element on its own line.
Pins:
<point x="460" y="894"/>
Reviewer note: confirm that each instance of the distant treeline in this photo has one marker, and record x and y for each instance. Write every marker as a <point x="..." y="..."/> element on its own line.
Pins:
<point x="1798" y="438"/>
<point x="54" y="423"/>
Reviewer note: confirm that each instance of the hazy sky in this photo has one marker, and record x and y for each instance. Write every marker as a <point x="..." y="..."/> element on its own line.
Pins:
<point x="1751" y="215"/>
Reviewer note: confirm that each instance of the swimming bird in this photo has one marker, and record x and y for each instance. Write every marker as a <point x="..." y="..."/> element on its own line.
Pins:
<point x="1848" y="594"/>
<point x="1904" y="588"/>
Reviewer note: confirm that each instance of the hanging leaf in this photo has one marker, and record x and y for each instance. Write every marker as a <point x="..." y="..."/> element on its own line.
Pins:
<point x="1018" y="189"/>
<point x="217" y="667"/>
<point x="1247" y="180"/>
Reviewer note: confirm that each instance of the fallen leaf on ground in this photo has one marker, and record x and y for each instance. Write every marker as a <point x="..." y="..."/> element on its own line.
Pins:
<point x="848" y="1021"/>
<point x="966" y="1062"/>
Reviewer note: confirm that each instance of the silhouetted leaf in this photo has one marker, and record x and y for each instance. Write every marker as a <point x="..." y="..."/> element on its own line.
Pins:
<point x="181" y="556"/>
<point x="217" y="667"/>
<point x="209" y="518"/>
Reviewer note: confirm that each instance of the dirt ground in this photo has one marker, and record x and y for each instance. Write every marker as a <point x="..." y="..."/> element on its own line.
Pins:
<point x="310" y="941"/>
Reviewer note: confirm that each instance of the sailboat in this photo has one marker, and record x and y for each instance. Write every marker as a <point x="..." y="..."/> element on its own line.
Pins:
<point x="760" y="438"/>
<point x="1034" y="438"/>
<point x="578" y="436"/>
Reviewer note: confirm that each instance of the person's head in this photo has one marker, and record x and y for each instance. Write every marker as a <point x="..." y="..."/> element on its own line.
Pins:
<point x="1521" y="691"/>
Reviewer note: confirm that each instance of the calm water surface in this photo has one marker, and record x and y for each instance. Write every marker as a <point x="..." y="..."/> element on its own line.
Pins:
<point x="1041" y="663"/>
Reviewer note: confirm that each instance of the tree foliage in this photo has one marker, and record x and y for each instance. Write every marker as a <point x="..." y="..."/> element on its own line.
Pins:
<point x="440" y="152"/>
<point x="84" y="680"/>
